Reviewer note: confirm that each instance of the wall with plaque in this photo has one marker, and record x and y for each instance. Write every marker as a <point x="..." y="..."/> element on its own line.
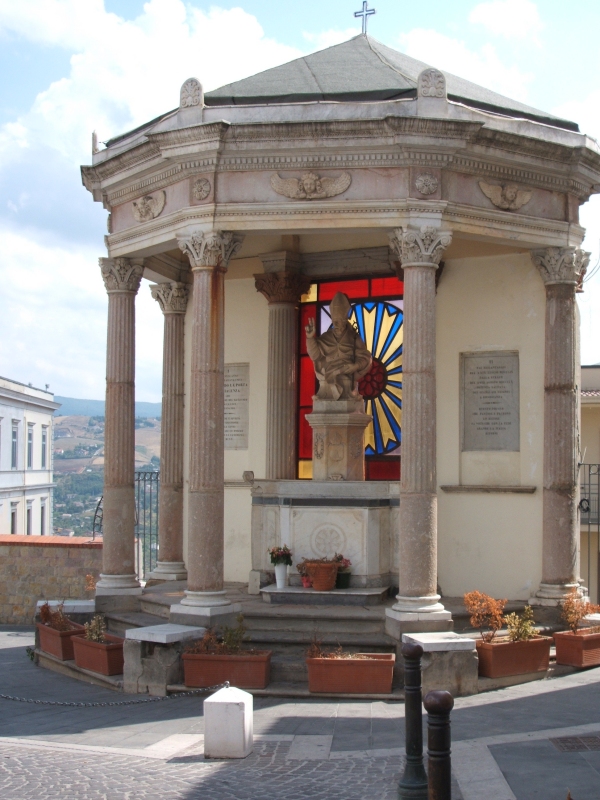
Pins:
<point x="237" y="394"/>
<point x="490" y="401"/>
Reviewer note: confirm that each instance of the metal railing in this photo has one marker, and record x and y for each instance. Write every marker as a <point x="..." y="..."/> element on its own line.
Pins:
<point x="589" y="509"/>
<point x="146" y="488"/>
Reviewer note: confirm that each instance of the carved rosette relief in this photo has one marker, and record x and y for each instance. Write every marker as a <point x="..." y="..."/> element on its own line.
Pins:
<point x="171" y="297"/>
<point x="149" y="206"/>
<point x="191" y="94"/>
<point x="121" y="274"/>
<point x="282" y="287"/>
<point x="424" y="246"/>
<point x="211" y="249"/>
<point x="431" y="83"/>
<point x="561" y="265"/>
<point x="426" y="183"/>
<point x="508" y="196"/>
<point x="311" y="186"/>
<point x="326" y="540"/>
<point x="201" y="189"/>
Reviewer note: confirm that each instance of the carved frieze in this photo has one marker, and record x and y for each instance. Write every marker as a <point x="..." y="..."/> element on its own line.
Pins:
<point x="149" y="206"/>
<point x="311" y="186"/>
<point x="121" y="274"/>
<point x="424" y="246"/>
<point x="201" y="189"/>
<point x="431" y="83"/>
<point x="211" y="249"/>
<point x="508" y="196"/>
<point x="172" y="297"/>
<point x="561" y="265"/>
<point x="191" y="94"/>
<point x="282" y="287"/>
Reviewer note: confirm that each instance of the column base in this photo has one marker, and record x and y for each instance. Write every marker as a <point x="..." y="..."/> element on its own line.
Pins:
<point x="167" y="571"/>
<point x="398" y="621"/>
<point x="205" y="616"/>
<point x="552" y="594"/>
<point x="118" y="585"/>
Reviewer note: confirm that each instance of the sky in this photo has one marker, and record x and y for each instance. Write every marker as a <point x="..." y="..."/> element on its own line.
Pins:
<point x="69" y="67"/>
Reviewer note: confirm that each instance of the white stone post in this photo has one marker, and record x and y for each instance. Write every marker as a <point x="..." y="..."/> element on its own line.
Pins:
<point x="417" y="603"/>
<point x="172" y="298"/>
<point x="122" y="278"/>
<point x="209" y="254"/>
<point x="562" y="270"/>
<point x="283" y="291"/>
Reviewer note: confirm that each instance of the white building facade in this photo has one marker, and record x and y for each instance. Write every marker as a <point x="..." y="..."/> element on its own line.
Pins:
<point x="26" y="480"/>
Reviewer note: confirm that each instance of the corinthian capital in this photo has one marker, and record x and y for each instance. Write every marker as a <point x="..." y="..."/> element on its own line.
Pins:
<point x="212" y="249"/>
<point x="282" y="287"/>
<point x="419" y="247"/>
<point x="561" y="265"/>
<point x="171" y="297"/>
<point x="122" y="274"/>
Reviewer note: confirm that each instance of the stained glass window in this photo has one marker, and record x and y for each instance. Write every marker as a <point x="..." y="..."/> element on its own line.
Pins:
<point x="376" y="312"/>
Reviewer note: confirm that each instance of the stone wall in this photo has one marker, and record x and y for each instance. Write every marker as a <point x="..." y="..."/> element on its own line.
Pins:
<point x="36" y="568"/>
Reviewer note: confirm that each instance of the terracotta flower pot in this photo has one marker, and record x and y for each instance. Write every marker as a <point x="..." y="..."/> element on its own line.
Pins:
<point x="577" y="649"/>
<point x="107" y="659"/>
<point x="58" y="643"/>
<point x="343" y="580"/>
<point x="352" y="675"/>
<point x="323" y="574"/>
<point x="503" y="658"/>
<point x="245" y="671"/>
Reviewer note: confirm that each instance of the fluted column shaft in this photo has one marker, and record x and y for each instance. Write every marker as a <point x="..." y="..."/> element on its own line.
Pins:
<point x="209" y="255"/>
<point x="172" y="298"/>
<point x="122" y="279"/>
<point x="420" y="252"/>
<point x="283" y="291"/>
<point x="562" y="269"/>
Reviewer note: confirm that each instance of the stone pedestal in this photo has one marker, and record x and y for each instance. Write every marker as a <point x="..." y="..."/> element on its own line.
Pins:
<point x="449" y="662"/>
<point x="228" y="724"/>
<point x="338" y="439"/>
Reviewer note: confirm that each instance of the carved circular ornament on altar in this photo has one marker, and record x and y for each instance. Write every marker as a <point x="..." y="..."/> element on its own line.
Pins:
<point x="426" y="183"/>
<point x="326" y="540"/>
<point x="201" y="189"/>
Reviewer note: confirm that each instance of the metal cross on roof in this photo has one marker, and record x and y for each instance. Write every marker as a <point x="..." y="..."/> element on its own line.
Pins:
<point x="365" y="13"/>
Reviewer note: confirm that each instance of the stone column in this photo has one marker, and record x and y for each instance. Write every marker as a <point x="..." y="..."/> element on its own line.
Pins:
<point x="209" y="254"/>
<point x="283" y="291"/>
<point x="418" y="606"/>
<point x="172" y="298"/>
<point x="562" y="270"/>
<point x="122" y="278"/>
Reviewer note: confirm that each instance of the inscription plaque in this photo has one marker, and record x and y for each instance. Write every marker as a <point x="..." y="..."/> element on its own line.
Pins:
<point x="490" y="401"/>
<point x="237" y="392"/>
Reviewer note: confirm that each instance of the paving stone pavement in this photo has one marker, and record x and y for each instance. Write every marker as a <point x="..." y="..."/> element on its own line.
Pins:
<point x="502" y="743"/>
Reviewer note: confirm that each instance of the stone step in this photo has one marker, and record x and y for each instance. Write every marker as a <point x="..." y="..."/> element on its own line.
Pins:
<point x="155" y="604"/>
<point x="301" y="639"/>
<point x="307" y="627"/>
<point x="338" y="597"/>
<point x="120" y="621"/>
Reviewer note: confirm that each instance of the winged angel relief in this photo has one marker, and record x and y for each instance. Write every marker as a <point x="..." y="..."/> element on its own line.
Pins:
<point x="508" y="197"/>
<point x="310" y="186"/>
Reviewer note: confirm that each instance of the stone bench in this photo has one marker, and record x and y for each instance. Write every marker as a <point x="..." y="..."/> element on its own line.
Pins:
<point x="153" y="657"/>
<point x="449" y="662"/>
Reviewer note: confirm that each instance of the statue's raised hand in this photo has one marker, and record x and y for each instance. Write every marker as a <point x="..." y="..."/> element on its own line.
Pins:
<point x="310" y="329"/>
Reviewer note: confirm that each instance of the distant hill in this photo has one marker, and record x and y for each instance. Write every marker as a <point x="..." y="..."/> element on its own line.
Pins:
<point x="73" y="406"/>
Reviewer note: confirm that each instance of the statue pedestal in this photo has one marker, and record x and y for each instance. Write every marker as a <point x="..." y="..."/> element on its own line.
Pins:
<point x="338" y="439"/>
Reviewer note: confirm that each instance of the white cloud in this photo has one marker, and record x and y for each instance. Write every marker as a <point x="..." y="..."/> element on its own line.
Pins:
<point x="482" y="66"/>
<point x="330" y="37"/>
<point x="517" y="19"/>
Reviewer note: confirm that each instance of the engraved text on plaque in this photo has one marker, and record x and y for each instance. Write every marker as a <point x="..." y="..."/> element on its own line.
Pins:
<point x="490" y="401"/>
<point x="237" y="391"/>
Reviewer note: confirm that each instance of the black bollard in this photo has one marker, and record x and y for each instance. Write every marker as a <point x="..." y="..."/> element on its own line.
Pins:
<point x="438" y="706"/>
<point x="413" y="783"/>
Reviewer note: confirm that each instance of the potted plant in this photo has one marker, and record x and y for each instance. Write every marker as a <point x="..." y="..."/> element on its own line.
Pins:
<point x="521" y="651"/>
<point x="97" y="650"/>
<point x="213" y="660"/>
<point x="281" y="557"/>
<point x="577" y="647"/>
<point x="55" y="631"/>
<point x="304" y="576"/>
<point x="349" y="673"/>
<point x="323" y="573"/>
<point x="342" y="580"/>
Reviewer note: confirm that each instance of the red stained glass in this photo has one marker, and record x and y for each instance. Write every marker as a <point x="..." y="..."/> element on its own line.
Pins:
<point x="358" y="288"/>
<point x="374" y="382"/>
<point x="307" y="381"/>
<point x="381" y="287"/>
<point x="307" y="311"/>
<point x="305" y="435"/>
<point x="383" y="469"/>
